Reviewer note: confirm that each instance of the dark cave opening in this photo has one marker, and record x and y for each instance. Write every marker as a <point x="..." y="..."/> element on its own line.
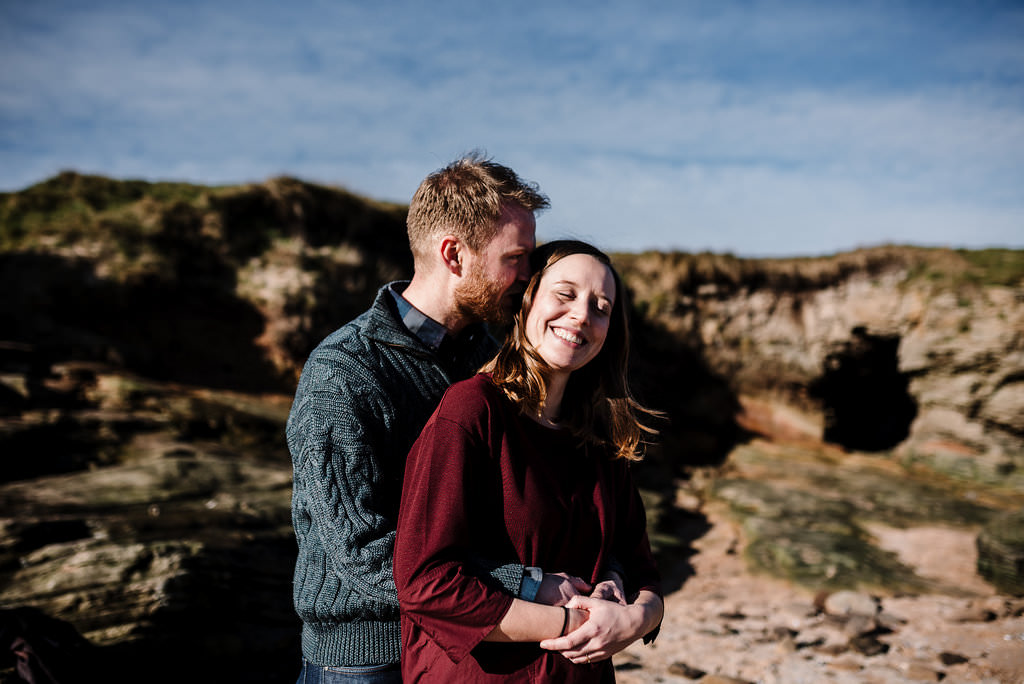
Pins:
<point x="864" y="395"/>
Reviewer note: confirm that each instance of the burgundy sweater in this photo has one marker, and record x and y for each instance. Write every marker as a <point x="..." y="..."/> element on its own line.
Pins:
<point x="483" y="480"/>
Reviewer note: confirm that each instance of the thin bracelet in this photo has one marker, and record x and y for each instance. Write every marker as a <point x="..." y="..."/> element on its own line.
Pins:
<point x="565" y="621"/>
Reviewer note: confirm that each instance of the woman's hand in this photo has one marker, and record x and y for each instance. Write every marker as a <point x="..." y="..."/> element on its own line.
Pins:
<point x="557" y="588"/>
<point x="609" y="628"/>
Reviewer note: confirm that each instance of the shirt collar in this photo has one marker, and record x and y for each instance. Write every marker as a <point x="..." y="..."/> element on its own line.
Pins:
<point x="429" y="331"/>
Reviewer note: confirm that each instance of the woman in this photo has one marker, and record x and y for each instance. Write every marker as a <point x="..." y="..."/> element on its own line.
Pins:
<point x="529" y="460"/>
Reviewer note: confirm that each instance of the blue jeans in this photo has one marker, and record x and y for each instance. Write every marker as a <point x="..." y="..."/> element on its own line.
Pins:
<point x="361" y="674"/>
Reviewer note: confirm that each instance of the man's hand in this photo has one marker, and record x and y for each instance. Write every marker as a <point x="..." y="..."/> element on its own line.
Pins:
<point x="610" y="588"/>
<point x="556" y="589"/>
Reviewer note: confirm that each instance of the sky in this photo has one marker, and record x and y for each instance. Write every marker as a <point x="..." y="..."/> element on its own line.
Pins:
<point x="758" y="128"/>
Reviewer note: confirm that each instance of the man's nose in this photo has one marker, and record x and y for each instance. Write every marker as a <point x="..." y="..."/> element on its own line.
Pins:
<point x="524" y="271"/>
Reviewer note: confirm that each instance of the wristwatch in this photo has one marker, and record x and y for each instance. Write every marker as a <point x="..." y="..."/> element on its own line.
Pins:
<point x="532" y="577"/>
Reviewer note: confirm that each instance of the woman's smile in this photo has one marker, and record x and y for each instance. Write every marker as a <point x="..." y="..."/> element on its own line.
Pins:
<point x="574" y="339"/>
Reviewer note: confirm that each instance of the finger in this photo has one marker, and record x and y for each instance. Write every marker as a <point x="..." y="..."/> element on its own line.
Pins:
<point x="609" y="592"/>
<point x="576" y="644"/>
<point x="591" y="646"/>
<point x="606" y="593"/>
<point x="587" y="658"/>
<point x="573" y="641"/>
<point x="580" y="601"/>
<point x="579" y="583"/>
<point x="561" y="644"/>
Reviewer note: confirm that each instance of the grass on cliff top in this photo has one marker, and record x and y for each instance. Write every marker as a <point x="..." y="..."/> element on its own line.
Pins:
<point x="72" y="206"/>
<point x="131" y="226"/>
<point x="995" y="266"/>
<point x="942" y="267"/>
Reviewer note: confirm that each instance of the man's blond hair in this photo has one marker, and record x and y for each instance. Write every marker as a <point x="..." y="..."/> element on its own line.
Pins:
<point x="465" y="199"/>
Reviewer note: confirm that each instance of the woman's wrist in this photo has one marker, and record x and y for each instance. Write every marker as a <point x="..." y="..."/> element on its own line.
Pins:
<point x="576" y="618"/>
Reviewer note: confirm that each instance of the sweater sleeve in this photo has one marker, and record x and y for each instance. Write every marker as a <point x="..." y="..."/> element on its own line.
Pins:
<point x="437" y="587"/>
<point x="338" y="439"/>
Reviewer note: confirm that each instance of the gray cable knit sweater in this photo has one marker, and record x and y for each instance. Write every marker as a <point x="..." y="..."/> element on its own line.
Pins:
<point x="365" y="393"/>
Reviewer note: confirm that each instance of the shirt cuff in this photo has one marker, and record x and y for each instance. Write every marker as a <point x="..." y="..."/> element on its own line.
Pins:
<point x="532" y="577"/>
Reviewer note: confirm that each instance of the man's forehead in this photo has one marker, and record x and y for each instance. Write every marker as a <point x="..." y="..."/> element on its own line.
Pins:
<point x="515" y="232"/>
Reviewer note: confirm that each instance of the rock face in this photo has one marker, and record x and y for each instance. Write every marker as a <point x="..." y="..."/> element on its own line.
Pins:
<point x="153" y="342"/>
<point x="223" y="287"/>
<point x="881" y="349"/>
<point x="1001" y="552"/>
<point x="726" y="624"/>
<point x="145" y="485"/>
<point x="165" y="531"/>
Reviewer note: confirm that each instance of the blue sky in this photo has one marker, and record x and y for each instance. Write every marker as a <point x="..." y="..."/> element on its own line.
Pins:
<point x="757" y="128"/>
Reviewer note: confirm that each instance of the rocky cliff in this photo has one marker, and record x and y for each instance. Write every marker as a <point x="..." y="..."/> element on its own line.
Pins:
<point x="915" y="351"/>
<point x="152" y="333"/>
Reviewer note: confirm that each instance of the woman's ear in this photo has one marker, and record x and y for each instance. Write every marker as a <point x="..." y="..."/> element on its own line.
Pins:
<point x="451" y="254"/>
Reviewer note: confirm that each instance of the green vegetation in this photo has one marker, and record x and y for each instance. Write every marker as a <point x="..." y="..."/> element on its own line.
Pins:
<point x="805" y="515"/>
<point x="71" y="207"/>
<point x="996" y="266"/>
<point x="955" y="270"/>
<point x="136" y="230"/>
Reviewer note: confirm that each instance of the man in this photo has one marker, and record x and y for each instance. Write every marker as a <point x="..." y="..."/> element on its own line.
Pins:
<point x="367" y="390"/>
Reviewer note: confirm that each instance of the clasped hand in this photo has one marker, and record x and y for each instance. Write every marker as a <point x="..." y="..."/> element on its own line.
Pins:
<point x="610" y="623"/>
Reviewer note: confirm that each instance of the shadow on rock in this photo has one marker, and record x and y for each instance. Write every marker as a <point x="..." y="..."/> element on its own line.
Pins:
<point x="189" y="330"/>
<point x="673" y="540"/>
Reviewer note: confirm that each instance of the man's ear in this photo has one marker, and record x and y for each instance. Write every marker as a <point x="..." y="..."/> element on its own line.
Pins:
<point x="451" y="254"/>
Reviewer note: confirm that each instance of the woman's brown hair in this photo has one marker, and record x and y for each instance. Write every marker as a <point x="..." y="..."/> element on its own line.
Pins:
<point x="597" y="406"/>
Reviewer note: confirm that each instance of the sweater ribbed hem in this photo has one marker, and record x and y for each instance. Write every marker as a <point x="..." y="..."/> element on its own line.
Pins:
<point x="348" y="644"/>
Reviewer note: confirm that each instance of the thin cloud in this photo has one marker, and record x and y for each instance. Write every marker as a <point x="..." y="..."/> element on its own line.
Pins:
<point x="764" y="127"/>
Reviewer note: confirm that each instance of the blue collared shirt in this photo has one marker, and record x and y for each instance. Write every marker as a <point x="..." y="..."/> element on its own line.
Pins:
<point x="429" y="331"/>
<point x="449" y="348"/>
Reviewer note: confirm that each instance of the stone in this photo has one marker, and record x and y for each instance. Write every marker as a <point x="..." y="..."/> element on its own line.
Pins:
<point x="681" y="669"/>
<point x="846" y="603"/>
<point x="846" y="664"/>
<point x="972" y="613"/>
<point x="857" y="625"/>
<point x="868" y="644"/>
<point x="723" y="679"/>
<point x="922" y="673"/>
<point x="1006" y="406"/>
<point x="947" y="658"/>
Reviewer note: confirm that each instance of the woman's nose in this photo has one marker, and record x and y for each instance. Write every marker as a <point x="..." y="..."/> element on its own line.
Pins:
<point x="580" y="312"/>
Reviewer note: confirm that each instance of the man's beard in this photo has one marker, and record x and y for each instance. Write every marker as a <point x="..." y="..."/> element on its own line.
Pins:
<point x="481" y="299"/>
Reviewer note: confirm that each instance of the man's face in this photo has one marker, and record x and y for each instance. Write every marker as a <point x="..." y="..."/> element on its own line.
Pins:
<point x="496" y="276"/>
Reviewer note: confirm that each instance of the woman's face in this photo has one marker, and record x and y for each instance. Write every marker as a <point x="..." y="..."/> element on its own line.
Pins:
<point x="568" y="321"/>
